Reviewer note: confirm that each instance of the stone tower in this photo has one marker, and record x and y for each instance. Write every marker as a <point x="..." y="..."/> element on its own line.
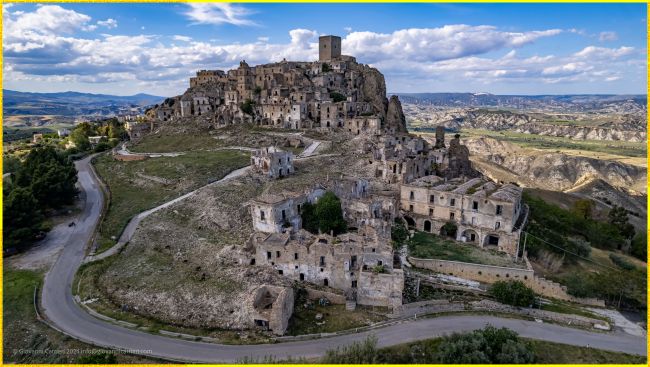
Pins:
<point x="440" y="136"/>
<point x="329" y="48"/>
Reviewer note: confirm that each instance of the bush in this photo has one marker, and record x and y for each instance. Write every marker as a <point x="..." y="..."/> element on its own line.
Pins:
<point x="247" y="107"/>
<point x="338" y="97"/>
<point x="399" y="233"/>
<point x="621" y="262"/>
<point x="490" y="345"/>
<point x="640" y="246"/>
<point x="449" y="229"/>
<point x="99" y="358"/>
<point x="326" y="68"/>
<point x="513" y="292"/>
<point x="364" y="352"/>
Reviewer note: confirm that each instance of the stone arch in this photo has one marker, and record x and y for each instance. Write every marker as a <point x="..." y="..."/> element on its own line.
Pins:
<point x="491" y="240"/>
<point x="410" y="222"/>
<point x="470" y="236"/>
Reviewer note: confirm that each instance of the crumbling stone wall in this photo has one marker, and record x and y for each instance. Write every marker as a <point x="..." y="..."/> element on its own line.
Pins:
<point x="491" y="274"/>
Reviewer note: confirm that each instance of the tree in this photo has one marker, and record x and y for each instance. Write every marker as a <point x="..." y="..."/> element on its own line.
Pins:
<point x="513" y="292"/>
<point x="326" y="68"/>
<point x="338" y="97"/>
<point x="399" y="233"/>
<point x="618" y="217"/>
<point x="324" y="216"/>
<point x="22" y="219"/>
<point x="80" y="140"/>
<point x="583" y="208"/>
<point x="330" y="215"/>
<point x="449" y="229"/>
<point x="490" y="345"/>
<point x="640" y="246"/>
<point x="247" y="107"/>
<point x="49" y="177"/>
<point x="10" y="163"/>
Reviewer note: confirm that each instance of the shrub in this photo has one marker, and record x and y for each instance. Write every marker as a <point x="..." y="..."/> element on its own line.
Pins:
<point x="326" y="68"/>
<point x="640" y="246"/>
<point x="99" y="358"/>
<point x="490" y="345"/>
<point x="513" y="292"/>
<point x="449" y="229"/>
<point x="247" y="107"/>
<point x="399" y="233"/>
<point x="621" y="262"/>
<point x="364" y="352"/>
<point x="338" y="97"/>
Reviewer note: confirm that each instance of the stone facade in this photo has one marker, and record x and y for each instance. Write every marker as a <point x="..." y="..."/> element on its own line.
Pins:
<point x="278" y="213"/>
<point x="273" y="162"/>
<point x="490" y="274"/>
<point x="359" y="263"/>
<point x="486" y="214"/>
<point x="273" y="307"/>
<point x="334" y="92"/>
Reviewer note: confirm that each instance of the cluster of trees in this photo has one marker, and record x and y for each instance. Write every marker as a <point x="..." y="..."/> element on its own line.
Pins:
<point x="45" y="180"/>
<point x="112" y="129"/>
<point x="563" y="228"/>
<point x="399" y="233"/>
<point x="324" y="216"/>
<point x="514" y="293"/>
<point x="247" y="107"/>
<point x="338" y="97"/>
<point x="487" y="346"/>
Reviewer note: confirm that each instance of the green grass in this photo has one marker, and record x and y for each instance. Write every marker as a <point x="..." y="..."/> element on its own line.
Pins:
<point x="163" y="143"/>
<point x="424" y="352"/>
<point x="23" y="331"/>
<point x="335" y="318"/>
<point x="429" y="246"/>
<point x="623" y="148"/>
<point x="140" y="185"/>
<point x="548" y="352"/>
<point x="561" y="307"/>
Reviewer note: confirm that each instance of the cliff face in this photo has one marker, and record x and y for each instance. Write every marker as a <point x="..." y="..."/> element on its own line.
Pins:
<point x="624" y="127"/>
<point x="395" y="121"/>
<point x="373" y="88"/>
<point x="556" y="171"/>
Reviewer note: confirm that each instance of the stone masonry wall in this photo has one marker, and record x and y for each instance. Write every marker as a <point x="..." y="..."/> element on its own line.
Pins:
<point x="491" y="274"/>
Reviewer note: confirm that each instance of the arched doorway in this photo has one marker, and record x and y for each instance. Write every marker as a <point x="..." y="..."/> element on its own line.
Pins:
<point x="410" y="222"/>
<point x="491" y="240"/>
<point x="449" y="230"/>
<point x="470" y="236"/>
<point x="427" y="226"/>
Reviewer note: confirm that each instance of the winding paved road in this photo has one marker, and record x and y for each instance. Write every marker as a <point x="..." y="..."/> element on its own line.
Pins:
<point x="61" y="310"/>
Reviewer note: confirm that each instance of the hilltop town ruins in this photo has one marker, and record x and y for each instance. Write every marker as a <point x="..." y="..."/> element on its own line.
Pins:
<point x="429" y="185"/>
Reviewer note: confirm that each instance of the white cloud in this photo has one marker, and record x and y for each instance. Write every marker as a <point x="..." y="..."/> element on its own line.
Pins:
<point x="592" y="52"/>
<point x="182" y="38"/>
<point x="347" y="29"/>
<point x="433" y="44"/>
<point x="607" y="36"/>
<point x="109" y="23"/>
<point x="219" y="13"/>
<point x="45" y="49"/>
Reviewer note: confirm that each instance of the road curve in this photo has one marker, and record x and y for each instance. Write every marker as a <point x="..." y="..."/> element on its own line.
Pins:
<point x="60" y="309"/>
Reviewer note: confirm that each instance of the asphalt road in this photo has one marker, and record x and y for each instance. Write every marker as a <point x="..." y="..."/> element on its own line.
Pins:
<point x="59" y="307"/>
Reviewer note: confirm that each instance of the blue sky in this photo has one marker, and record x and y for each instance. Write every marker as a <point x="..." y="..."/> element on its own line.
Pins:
<point x="497" y="48"/>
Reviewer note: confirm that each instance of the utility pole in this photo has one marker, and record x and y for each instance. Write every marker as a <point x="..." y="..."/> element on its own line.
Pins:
<point x="417" y="288"/>
<point x="525" y="238"/>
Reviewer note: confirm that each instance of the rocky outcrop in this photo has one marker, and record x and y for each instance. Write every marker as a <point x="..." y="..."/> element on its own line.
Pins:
<point x="395" y="121"/>
<point x="373" y="88"/>
<point x="459" y="163"/>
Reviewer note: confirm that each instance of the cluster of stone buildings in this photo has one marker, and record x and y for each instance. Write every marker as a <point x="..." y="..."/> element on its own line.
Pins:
<point x="327" y="94"/>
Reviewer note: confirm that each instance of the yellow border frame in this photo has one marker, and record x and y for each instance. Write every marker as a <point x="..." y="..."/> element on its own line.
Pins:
<point x="311" y="1"/>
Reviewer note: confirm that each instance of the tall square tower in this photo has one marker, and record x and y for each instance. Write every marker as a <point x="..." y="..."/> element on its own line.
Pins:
<point x="329" y="48"/>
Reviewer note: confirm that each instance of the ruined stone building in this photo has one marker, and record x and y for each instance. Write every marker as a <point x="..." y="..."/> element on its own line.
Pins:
<point x="273" y="162"/>
<point x="272" y="308"/>
<point x="278" y="213"/>
<point x="334" y="92"/>
<point x="485" y="213"/>
<point x="359" y="263"/>
<point x="405" y="157"/>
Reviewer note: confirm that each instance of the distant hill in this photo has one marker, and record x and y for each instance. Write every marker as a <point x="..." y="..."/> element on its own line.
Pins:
<point x="567" y="103"/>
<point x="72" y="104"/>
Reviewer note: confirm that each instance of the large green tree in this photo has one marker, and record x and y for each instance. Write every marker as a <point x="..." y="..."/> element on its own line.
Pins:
<point x="324" y="216"/>
<point x="22" y="218"/>
<point x="490" y="345"/>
